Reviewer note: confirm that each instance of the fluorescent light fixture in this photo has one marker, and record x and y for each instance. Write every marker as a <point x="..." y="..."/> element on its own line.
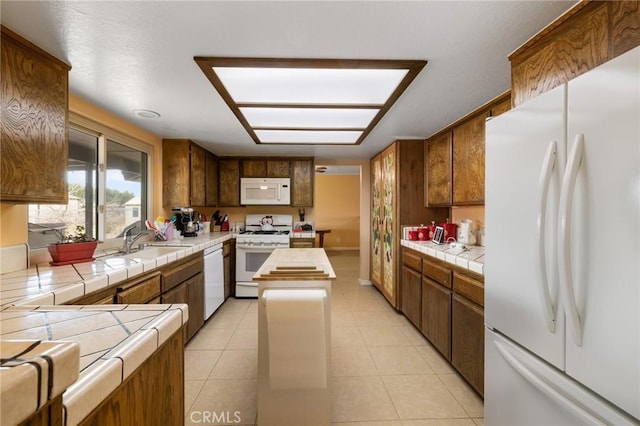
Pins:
<point x="310" y="85"/>
<point x="309" y="117"/>
<point x="308" y="136"/>
<point x="309" y="101"/>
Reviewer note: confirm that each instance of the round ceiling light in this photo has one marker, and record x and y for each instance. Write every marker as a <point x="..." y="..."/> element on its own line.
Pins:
<point x="146" y="113"/>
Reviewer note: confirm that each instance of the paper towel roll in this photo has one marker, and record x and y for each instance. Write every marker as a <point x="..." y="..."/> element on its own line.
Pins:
<point x="296" y="330"/>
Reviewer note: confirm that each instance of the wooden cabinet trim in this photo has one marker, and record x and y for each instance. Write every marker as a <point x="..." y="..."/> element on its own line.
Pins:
<point x="436" y="272"/>
<point x="469" y="287"/>
<point x="177" y="272"/>
<point x="412" y="260"/>
<point x="140" y="291"/>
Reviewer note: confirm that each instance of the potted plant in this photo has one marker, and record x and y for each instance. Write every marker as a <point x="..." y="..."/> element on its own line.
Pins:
<point x="75" y="248"/>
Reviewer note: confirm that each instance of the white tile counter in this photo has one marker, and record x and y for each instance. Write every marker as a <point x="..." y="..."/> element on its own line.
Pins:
<point x="471" y="259"/>
<point x="110" y="342"/>
<point x="43" y="284"/>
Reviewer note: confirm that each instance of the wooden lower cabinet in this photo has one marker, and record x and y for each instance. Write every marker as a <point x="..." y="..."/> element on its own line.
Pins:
<point x="195" y="300"/>
<point x="411" y="300"/>
<point x="141" y="290"/>
<point x="229" y="266"/>
<point x="152" y="395"/>
<point x="436" y="315"/>
<point x="449" y="302"/>
<point x="302" y="242"/>
<point x="467" y="341"/>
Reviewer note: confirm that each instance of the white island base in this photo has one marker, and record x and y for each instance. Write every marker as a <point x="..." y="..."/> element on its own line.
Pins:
<point x="294" y="338"/>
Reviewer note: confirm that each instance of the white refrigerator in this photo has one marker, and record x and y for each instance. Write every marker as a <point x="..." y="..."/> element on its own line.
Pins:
<point x="562" y="272"/>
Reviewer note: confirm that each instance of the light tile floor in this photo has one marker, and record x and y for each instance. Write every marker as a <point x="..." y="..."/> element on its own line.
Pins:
<point x="383" y="372"/>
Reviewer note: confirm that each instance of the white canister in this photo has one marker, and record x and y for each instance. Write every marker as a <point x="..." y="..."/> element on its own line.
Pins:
<point x="466" y="233"/>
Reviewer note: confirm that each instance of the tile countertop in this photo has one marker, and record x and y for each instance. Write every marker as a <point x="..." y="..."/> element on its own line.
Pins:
<point x="113" y="340"/>
<point x="33" y="373"/>
<point x="471" y="259"/>
<point x="43" y="284"/>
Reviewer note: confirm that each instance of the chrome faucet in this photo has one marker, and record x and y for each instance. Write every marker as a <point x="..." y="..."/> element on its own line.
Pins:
<point x="127" y="240"/>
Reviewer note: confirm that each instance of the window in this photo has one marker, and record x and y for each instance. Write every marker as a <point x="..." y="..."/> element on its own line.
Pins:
<point x="120" y="186"/>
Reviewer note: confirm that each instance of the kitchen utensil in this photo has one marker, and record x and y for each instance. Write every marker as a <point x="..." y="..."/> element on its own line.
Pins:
<point x="266" y="223"/>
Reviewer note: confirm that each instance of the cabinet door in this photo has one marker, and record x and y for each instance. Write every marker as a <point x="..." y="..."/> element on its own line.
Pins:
<point x="278" y="168"/>
<point x="229" y="182"/>
<point x="436" y="315"/>
<point x="139" y="290"/>
<point x="175" y="172"/>
<point x="254" y="168"/>
<point x="302" y="242"/>
<point x="412" y="295"/>
<point x="211" y="175"/>
<point x="302" y="183"/>
<point x="195" y="300"/>
<point x="468" y="161"/>
<point x="388" y="219"/>
<point x="228" y="258"/>
<point x="467" y="341"/>
<point x="439" y="174"/>
<point x="376" y="222"/>
<point x="198" y="179"/>
<point x="176" y="295"/>
<point x="34" y="119"/>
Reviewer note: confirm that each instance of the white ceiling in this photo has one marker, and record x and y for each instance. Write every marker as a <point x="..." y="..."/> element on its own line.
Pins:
<point x="139" y="55"/>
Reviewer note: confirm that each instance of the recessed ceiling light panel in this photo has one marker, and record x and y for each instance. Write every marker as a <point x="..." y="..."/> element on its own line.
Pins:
<point x="309" y="101"/>
<point x="308" y="136"/>
<point x="309" y="117"/>
<point x="310" y="86"/>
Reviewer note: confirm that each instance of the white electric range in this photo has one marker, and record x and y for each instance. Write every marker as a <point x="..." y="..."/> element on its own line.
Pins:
<point x="263" y="233"/>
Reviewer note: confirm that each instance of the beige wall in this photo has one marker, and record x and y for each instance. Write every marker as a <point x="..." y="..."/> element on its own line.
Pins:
<point x="13" y="218"/>
<point x="337" y="207"/>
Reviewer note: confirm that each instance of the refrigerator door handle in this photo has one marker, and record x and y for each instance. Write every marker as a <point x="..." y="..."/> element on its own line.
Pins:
<point x="546" y="172"/>
<point x="564" y="236"/>
<point x="534" y="378"/>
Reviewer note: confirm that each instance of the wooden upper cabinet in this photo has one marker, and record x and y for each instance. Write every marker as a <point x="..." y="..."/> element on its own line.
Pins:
<point x="468" y="161"/>
<point x="211" y="175"/>
<point x="198" y="176"/>
<point x="228" y="182"/>
<point x="254" y="168"/>
<point x="438" y="170"/>
<point x="34" y="120"/>
<point x="273" y="168"/>
<point x="588" y="35"/>
<point x="302" y="182"/>
<point x="175" y="172"/>
<point x="280" y="168"/>
<point x="189" y="176"/>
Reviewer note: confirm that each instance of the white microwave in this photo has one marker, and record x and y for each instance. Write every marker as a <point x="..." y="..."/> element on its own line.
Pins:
<point x="265" y="191"/>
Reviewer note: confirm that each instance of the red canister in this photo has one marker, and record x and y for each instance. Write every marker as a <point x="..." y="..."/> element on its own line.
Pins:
<point x="422" y="233"/>
<point x="413" y="235"/>
<point x="450" y="231"/>
<point x="431" y="229"/>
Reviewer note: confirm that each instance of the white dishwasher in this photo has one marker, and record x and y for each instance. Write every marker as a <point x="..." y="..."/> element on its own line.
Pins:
<point x="213" y="280"/>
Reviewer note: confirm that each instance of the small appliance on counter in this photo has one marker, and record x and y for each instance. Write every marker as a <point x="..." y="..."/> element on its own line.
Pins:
<point x="186" y="221"/>
<point x="466" y="233"/>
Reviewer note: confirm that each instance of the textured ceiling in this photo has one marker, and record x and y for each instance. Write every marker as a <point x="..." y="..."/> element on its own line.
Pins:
<point x="139" y="55"/>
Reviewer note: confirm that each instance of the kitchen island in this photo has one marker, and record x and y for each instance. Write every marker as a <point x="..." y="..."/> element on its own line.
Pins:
<point x="294" y="337"/>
